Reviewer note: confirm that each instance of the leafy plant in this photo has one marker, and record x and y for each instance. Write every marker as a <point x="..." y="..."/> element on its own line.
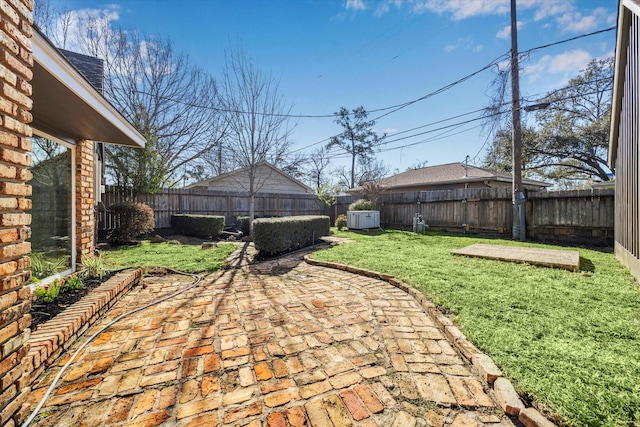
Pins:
<point x="341" y="222"/>
<point x="134" y="219"/>
<point x="361" y="205"/>
<point x="42" y="267"/>
<point x="75" y="283"/>
<point x="95" y="267"/>
<point x="48" y="293"/>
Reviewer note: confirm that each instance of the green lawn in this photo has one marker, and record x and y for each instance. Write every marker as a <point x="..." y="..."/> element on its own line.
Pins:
<point x="188" y="258"/>
<point x="570" y="340"/>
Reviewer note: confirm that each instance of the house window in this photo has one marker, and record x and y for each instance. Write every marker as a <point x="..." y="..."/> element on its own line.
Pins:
<point x="52" y="232"/>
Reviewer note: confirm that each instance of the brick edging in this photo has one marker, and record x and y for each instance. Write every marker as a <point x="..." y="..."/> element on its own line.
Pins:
<point x="56" y="335"/>
<point x="507" y="397"/>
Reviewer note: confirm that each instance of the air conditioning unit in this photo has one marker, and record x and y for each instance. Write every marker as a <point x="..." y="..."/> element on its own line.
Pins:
<point x="361" y="220"/>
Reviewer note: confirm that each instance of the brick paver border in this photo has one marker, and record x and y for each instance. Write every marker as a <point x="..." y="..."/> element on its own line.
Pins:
<point x="56" y="335"/>
<point x="507" y="397"/>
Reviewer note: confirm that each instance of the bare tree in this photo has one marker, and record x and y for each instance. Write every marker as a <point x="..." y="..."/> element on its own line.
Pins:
<point x="257" y="116"/>
<point x="171" y="102"/>
<point x="318" y="167"/>
<point x="294" y="165"/>
<point x="368" y="170"/>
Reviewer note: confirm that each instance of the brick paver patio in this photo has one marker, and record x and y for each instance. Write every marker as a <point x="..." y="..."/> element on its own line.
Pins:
<point x="280" y="343"/>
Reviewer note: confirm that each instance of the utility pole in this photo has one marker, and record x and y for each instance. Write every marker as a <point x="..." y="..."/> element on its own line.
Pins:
<point x="519" y="226"/>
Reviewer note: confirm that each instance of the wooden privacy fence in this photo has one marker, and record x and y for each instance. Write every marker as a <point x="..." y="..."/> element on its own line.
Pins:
<point x="584" y="216"/>
<point x="167" y="202"/>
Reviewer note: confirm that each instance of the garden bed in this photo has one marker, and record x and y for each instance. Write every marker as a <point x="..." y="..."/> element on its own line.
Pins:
<point x="42" y="311"/>
<point x="53" y="336"/>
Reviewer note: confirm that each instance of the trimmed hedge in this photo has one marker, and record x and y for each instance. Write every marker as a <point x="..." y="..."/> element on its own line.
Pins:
<point x="273" y="236"/>
<point x="361" y="205"/>
<point x="207" y="226"/>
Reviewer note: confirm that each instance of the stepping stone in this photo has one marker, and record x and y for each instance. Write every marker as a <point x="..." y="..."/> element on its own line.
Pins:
<point x="567" y="260"/>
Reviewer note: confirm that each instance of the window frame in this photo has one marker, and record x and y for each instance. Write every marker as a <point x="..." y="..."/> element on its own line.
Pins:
<point x="71" y="145"/>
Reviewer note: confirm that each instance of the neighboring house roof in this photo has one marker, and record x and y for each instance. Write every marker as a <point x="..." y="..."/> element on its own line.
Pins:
<point x="262" y="168"/>
<point x="451" y="173"/>
<point x="68" y="106"/>
<point x="627" y="8"/>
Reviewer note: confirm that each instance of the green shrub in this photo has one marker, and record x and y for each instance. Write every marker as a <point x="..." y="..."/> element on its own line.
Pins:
<point x="75" y="283"/>
<point x="272" y="236"/>
<point x="133" y="219"/>
<point x="94" y="267"/>
<point x="43" y="267"/>
<point x="242" y="222"/>
<point x="361" y="205"/>
<point x="48" y="293"/>
<point x="206" y="226"/>
<point x="341" y="222"/>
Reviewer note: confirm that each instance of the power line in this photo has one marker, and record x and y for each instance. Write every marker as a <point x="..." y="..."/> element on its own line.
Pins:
<point x="484" y="116"/>
<point x="458" y="124"/>
<point x="544" y="46"/>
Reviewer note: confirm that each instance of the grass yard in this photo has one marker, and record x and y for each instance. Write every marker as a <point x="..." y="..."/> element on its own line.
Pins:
<point x="571" y="341"/>
<point x="188" y="258"/>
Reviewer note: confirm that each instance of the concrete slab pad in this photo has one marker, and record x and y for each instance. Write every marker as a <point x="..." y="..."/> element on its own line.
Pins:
<point x="567" y="260"/>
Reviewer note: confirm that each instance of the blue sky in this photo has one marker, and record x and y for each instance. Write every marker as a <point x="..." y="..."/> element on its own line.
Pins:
<point x="327" y="54"/>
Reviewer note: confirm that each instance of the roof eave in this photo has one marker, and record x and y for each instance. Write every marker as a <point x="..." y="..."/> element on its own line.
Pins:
<point x="65" y="104"/>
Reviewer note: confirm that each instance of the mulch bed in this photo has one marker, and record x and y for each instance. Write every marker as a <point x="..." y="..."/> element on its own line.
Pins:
<point x="42" y="312"/>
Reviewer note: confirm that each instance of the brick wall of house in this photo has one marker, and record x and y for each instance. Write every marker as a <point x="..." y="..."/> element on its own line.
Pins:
<point x="85" y="187"/>
<point x="16" y="62"/>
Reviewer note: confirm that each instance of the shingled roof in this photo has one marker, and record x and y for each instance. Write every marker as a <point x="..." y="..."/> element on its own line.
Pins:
<point x="90" y="67"/>
<point x="450" y="173"/>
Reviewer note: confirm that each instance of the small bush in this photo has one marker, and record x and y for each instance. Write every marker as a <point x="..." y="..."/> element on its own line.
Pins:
<point x="206" y="226"/>
<point x="49" y="293"/>
<point x="75" y="283"/>
<point x="94" y="267"/>
<point x="272" y="236"/>
<point x="361" y="205"/>
<point x="134" y="219"/>
<point x="341" y="222"/>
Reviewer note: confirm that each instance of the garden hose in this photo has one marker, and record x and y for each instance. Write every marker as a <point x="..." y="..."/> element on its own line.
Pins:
<point x="197" y="278"/>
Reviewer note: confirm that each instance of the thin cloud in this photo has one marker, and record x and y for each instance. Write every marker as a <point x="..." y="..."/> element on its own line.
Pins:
<point x="355" y="5"/>
<point x="462" y="9"/>
<point x="505" y="33"/>
<point x="465" y="43"/>
<point x="549" y="8"/>
<point x="564" y="65"/>
<point x="576" y="22"/>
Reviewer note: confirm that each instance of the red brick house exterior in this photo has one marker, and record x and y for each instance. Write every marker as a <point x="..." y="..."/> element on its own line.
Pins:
<point x="16" y="62"/>
<point x="39" y="91"/>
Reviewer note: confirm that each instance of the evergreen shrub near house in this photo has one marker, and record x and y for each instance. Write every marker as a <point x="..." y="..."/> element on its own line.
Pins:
<point x="341" y="222"/>
<point x="273" y="236"/>
<point x="133" y="219"/>
<point x="206" y="226"/>
<point x="361" y="205"/>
